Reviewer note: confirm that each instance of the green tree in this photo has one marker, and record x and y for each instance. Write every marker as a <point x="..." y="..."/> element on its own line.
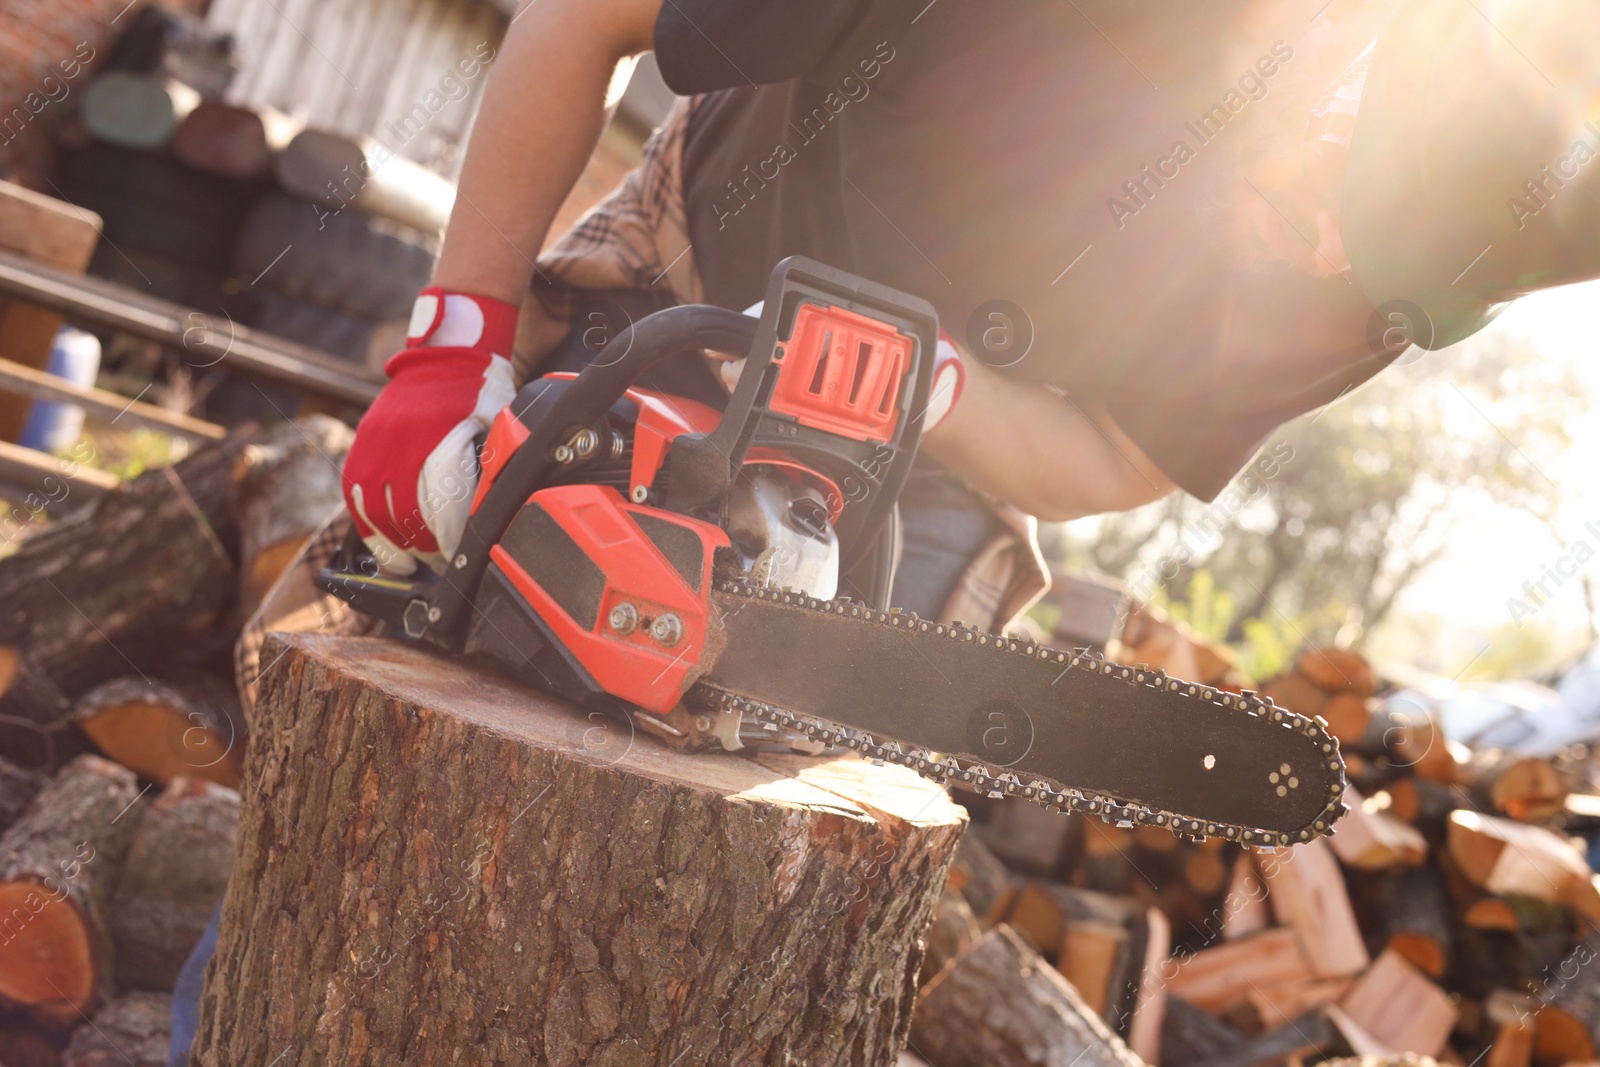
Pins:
<point x="1364" y="500"/>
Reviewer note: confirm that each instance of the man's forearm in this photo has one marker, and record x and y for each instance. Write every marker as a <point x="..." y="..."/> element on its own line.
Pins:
<point x="539" y="121"/>
<point x="1029" y="446"/>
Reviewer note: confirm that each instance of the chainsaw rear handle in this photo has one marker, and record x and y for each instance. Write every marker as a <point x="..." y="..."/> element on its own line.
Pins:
<point x="645" y="343"/>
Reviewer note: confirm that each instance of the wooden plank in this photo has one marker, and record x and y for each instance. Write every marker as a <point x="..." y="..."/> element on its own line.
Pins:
<point x="1225" y="975"/>
<point x="1395" y="1003"/>
<point x="53" y="485"/>
<point x="1307" y="892"/>
<point x="56" y="234"/>
<point x="25" y="381"/>
<point x="206" y="340"/>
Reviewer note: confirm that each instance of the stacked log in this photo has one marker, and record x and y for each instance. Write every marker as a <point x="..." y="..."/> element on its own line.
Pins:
<point x="1334" y="683"/>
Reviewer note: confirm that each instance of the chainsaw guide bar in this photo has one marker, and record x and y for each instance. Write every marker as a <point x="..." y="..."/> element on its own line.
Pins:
<point x="1005" y="716"/>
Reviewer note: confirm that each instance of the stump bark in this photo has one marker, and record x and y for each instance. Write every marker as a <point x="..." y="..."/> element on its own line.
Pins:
<point x="434" y="863"/>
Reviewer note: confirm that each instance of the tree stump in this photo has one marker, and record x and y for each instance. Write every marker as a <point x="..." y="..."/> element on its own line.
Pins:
<point x="435" y="866"/>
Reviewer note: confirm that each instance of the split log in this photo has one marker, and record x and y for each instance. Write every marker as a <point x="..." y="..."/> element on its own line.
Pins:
<point x="1506" y="857"/>
<point x="233" y="142"/>
<point x="1513" y="1045"/>
<point x="172" y="881"/>
<point x="18" y="786"/>
<point x="1372" y="840"/>
<point x="1307" y="892"/>
<point x="1097" y="941"/>
<point x="431" y="859"/>
<point x="1408" y="912"/>
<point x="165" y="731"/>
<point x="1222" y="977"/>
<point x="1190" y="1035"/>
<point x="1383" y="1061"/>
<point x="1002" y="1005"/>
<point x="58" y="865"/>
<point x="1296" y="692"/>
<point x="1333" y="669"/>
<point x="148" y="569"/>
<point x="131" y="1031"/>
<point x="955" y="929"/>
<point x="1526" y="788"/>
<point x="1395" y="1004"/>
<point x="1150" y="1000"/>
<point x="1347" y="714"/>
<point x="1294" y="1042"/>
<point x="289" y="485"/>
<point x="337" y="173"/>
<point x="136" y="110"/>
<point x="1245" y="910"/>
<point x="1275" y="1005"/>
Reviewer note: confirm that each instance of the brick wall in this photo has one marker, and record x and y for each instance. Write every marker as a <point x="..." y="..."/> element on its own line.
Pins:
<point x="41" y="42"/>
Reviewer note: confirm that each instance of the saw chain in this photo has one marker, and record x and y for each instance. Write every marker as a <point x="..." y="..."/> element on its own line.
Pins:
<point x="1315" y="764"/>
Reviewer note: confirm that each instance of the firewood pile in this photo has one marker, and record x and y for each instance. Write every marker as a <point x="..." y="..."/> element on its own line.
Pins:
<point x="1452" y="917"/>
<point x="244" y="214"/>
<point x="121" y="735"/>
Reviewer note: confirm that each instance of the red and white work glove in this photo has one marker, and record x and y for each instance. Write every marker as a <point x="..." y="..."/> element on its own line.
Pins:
<point x="412" y="469"/>
<point x="949" y="375"/>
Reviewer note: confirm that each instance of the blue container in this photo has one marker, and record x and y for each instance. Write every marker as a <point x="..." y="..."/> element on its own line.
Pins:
<point x="53" y="426"/>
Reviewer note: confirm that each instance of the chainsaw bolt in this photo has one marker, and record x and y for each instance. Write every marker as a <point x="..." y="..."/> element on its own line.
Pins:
<point x="434" y="614"/>
<point x="624" y="619"/>
<point x="460" y="562"/>
<point x="562" y="454"/>
<point x="667" y="629"/>
<point x="639" y="494"/>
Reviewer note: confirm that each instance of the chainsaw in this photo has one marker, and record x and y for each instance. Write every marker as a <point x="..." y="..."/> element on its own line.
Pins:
<point x="644" y="554"/>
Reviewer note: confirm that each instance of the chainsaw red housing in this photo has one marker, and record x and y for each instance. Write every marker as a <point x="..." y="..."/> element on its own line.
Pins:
<point x="577" y="552"/>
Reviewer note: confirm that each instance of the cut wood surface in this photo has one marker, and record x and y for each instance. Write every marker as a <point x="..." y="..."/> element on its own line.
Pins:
<point x="1372" y="839"/>
<point x="1397" y="1004"/>
<point x="1308" y="895"/>
<point x="172" y="881"/>
<point x="58" y="864"/>
<point x="1509" y="858"/>
<point x="431" y="859"/>
<point x="1245" y="907"/>
<point x="1002" y="1005"/>
<point x="148" y="569"/>
<point x="1526" y="788"/>
<point x="165" y="731"/>
<point x="233" y="142"/>
<point x="1347" y="714"/>
<point x="1567" y="1024"/>
<point x="1513" y="1045"/>
<point x="131" y="1031"/>
<point x="340" y="173"/>
<point x="1150" y="1007"/>
<point x="1333" y="669"/>
<point x="1409" y="911"/>
<point x="1220" y="977"/>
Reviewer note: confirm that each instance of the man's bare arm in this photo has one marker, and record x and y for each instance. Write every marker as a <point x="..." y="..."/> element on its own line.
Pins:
<point x="1033" y="447"/>
<point x="541" y="117"/>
